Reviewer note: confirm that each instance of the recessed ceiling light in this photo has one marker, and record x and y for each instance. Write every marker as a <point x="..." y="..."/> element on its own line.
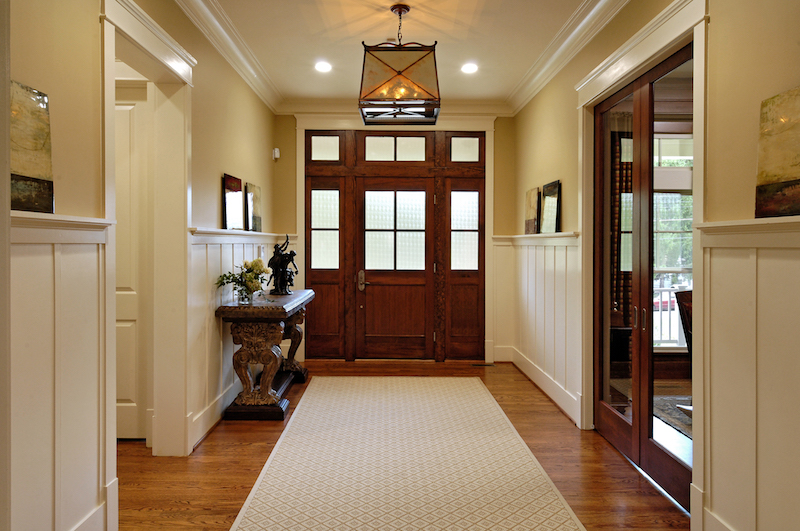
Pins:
<point x="322" y="66"/>
<point x="469" y="68"/>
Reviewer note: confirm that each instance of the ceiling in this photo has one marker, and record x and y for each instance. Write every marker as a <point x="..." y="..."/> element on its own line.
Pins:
<point x="518" y="46"/>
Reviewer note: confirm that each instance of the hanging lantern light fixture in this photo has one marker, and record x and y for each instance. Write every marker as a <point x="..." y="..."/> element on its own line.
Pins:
<point x="399" y="84"/>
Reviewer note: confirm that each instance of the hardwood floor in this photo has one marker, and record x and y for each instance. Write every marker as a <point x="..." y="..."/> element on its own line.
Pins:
<point x="207" y="489"/>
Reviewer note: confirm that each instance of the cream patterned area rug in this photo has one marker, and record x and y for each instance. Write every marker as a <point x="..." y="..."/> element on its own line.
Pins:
<point x="402" y="453"/>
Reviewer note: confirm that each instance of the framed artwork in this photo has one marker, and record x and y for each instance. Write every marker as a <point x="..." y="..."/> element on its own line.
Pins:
<point x="778" y="179"/>
<point x="30" y="157"/>
<point x="232" y="203"/>
<point x="551" y="207"/>
<point x="252" y="207"/>
<point x="533" y="208"/>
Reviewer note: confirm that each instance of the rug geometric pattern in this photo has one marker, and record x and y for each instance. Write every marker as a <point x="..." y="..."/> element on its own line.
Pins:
<point x="402" y="453"/>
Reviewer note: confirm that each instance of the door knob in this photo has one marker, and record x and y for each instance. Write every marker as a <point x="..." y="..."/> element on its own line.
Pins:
<point x="362" y="283"/>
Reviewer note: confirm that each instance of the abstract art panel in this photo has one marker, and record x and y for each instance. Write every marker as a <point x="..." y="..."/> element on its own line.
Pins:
<point x="778" y="180"/>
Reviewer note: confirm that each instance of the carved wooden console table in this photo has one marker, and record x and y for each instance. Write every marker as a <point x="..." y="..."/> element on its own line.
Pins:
<point x="259" y="329"/>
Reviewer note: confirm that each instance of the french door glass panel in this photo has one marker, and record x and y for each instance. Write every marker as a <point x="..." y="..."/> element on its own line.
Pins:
<point x="618" y="386"/>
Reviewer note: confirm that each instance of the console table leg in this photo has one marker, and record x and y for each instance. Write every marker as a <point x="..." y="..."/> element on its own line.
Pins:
<point x="260" y="344"/>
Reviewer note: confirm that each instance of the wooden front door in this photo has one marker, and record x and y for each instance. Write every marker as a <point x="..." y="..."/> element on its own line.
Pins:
<point x="394" y="258"/>
<point x="394" y="244"/>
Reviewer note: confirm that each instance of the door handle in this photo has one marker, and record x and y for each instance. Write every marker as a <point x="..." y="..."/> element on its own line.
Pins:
<point x="644" y="319"/>
<point x="362" y="283"/>
<point x="635" y="318"/>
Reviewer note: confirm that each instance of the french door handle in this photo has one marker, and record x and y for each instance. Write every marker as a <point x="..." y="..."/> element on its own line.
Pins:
<point x="635" y="318"/>
<point x="644" y="319"/>
<point x="362" y="283"/>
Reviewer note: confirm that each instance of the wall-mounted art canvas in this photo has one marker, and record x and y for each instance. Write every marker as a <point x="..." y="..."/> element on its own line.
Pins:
<point x="551" y="207"/>
<point x="232" y="203"/>
<point x="778" y="180"/>
<point x="533" y="206"/>
<point x="253" y="207"/>
<point x="30" y="158"/>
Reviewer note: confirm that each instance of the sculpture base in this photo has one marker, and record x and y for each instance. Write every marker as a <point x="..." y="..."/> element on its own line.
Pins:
<point x="280" y="384"/>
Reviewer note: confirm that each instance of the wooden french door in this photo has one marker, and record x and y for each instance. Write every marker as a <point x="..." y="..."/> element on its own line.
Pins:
<point x="625" y="362"/>
<point x="394" y="258"/>
<point x="395" y="244"/>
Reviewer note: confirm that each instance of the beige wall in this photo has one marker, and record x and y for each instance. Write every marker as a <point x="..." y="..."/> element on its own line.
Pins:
<point x="505" y="171"/>
<point x="284" y="205"/>
<point x="232" y="129"/>
<point x="753" y="54"/>
<point x="547" y="127"/>
<point x="55" y="48"/>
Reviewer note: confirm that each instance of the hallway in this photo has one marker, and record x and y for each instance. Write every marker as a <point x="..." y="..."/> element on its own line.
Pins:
<point x="207" y="489"/>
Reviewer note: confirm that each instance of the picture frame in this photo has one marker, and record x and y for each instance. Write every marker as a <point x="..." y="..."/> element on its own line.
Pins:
<point x="533" y="210"/>
<point x="551" y="207"/>
<point x="252" y="207"/>
<point x="30" y="159"/>
<point x="232" y="203"/>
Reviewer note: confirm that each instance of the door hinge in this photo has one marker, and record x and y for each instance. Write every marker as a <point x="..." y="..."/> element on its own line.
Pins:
<point x="434" y="267"/>
<point x="434" y="337"/>
<point x="434" y="199"/>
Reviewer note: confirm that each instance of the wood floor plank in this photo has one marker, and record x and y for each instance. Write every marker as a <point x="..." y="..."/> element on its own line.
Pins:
<point x="206" y="490"/>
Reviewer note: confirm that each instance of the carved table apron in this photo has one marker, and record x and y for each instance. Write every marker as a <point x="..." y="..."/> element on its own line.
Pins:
<point x="259" y="329"/>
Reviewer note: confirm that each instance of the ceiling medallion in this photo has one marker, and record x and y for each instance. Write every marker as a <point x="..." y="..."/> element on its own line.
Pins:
<point x="399" y="84"/>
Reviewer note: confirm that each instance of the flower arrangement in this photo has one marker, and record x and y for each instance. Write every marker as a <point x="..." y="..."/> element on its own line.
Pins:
<point x="247" y="281"/>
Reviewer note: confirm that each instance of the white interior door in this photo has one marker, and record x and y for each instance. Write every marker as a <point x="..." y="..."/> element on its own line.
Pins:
<point x="133" y="362"/>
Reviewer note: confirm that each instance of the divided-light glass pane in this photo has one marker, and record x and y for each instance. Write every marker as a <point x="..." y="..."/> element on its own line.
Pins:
<point x="324" y="209"/>
<point x="411" y="251"/>
<point x="411" y="148"/>
<point x="465" y="149"/>
<point x="379" y="148"/>
<point x="379" y="250"/>
<point x="324" y="148"/>
<point x="324" y="249"/>
<point x="464" y="210"/>
<point x="410" y="210"/>
<point x="626" y="251"/>
<point x="379" y="210"/>
<point x="626" y="211"/>
<point x="464" y="251"/>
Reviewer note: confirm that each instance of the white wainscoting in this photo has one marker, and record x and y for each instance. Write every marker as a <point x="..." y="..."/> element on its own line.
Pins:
<point x="752" y="359"/>
<point x="538" y="313"/>
<point x="212" y="384"/>
<point x="63" y="471"/>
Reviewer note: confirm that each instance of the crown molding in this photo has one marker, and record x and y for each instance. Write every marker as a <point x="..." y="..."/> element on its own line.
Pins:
<point x="212" y="21"/>
<point x="131" y="20"/>
<point x="584" y="24"/>
<point x="679" y="17"/>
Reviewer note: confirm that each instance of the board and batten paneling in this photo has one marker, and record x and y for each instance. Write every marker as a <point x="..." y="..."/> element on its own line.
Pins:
<point x="750" y="317"/>
<point x="60" y="381"/>
<point x="538" y="313"/>
<point x="212" y="383"/>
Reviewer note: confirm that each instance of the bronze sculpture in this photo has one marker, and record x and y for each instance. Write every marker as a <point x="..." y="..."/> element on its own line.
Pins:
<point x="281" y="265"/>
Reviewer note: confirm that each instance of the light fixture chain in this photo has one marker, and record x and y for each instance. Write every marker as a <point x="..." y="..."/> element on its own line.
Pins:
<point x="400" y="27"/>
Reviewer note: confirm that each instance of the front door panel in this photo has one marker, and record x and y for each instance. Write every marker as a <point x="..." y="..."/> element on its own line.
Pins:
<point x="394" y="254"/>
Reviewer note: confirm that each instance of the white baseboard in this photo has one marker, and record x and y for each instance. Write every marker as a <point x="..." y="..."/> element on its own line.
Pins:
<point x="202" y="423"/>
<point x="696" y="506"/>
<point x="711" y="522"/>
<point x="570" y="404"/>
<point x="504" y="354"/>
